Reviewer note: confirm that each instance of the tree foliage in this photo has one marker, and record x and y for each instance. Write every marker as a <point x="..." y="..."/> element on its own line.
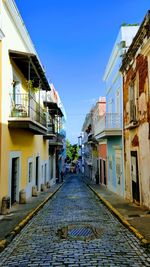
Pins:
<point x="71" y="151"/>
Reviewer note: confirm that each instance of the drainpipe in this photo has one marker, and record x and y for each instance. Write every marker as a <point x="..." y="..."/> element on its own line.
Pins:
<point x="123" y="172"/>
<point x="39" y="104"/>
<point x="29" y="87"/>
<point x="149" y="100"/>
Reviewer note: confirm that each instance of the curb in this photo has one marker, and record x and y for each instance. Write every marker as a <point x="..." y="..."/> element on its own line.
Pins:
<point x="144" y="242"/>
<point x="10" y="236"/>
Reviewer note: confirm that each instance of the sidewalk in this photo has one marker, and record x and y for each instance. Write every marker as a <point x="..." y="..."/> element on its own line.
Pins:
<point x="133" y="214"/>
<point x="20" y="214"/>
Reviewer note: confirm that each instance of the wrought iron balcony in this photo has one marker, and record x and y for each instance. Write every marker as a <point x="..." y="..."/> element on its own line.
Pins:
<point x="110" y="124"/>
<point x="53" y="125"/>
<point x="26" y="113"/>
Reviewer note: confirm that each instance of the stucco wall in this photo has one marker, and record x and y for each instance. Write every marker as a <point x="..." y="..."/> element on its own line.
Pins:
<point x="25" y="143"/>
<point x="137" y="136"/>
<point x="114" y="144"/>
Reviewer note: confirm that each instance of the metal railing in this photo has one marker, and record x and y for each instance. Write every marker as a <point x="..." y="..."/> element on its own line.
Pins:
<point x="54" y="122"/>
<point x="25" y="106"/>
<point x="108" y="121"/>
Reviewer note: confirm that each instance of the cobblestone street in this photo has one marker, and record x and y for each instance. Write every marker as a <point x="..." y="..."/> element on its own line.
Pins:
<point x="74" y="229"/>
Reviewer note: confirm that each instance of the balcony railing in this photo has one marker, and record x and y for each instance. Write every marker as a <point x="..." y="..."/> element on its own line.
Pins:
<point x="54" y="123"/>
<point x="109" y="121"/>
<point x="25" y="106"/>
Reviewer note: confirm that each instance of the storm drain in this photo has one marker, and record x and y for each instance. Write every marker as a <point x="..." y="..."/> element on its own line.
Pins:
<point x="84" y="233"/>
<point x="80" y="232"/>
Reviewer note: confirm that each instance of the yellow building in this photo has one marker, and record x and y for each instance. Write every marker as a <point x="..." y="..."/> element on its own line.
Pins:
<point x="24" y="161"/>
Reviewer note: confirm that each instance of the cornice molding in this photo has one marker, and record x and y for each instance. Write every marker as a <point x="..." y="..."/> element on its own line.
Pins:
<point x="142" y="34"/>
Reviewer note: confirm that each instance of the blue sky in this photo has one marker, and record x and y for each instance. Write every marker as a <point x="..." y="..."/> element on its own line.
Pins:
<point x="74" y="39"/>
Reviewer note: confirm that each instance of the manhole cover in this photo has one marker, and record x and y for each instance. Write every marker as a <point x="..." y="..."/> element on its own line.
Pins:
<point x="79" y="232"/>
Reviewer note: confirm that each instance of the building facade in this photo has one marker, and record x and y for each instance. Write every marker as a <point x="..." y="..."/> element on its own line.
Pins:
<point x="88" y="167"/>
<point x="94" y="149"/>
<point x="1" y="37"/>
<point x="25" y="159"/>
<point x="112" y="122"/>
<point x="56" y="133"/>
<point x="136" y="94"/>
<point x="98" y="113"/>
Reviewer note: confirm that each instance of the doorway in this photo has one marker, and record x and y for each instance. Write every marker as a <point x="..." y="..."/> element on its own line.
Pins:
<point x="97" y="172"/>
<point x="135" y="177"/>
<point x="45" y="173"/>
<point x="14" y="179"/>
<point x="100" y="164"/>
<point x="104" y="171"/>
<point x="16" y="93"/>
<point x="118" y="171"/>
<point x="37" y="172"/>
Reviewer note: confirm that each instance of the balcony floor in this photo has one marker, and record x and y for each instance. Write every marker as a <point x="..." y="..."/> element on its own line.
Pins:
<point x="106" y="133"/>
<point x="27" y="124"/>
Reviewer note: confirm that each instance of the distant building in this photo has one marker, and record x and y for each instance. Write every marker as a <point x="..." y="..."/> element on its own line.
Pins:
<point x="87" y="149"/>
<point x="94" y="152"/>
<point x="98" y="113"/>
<point x="56" y="119"/>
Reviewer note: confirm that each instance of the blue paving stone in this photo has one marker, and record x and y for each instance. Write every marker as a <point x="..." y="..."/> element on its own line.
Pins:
<point x="39" y="243"/>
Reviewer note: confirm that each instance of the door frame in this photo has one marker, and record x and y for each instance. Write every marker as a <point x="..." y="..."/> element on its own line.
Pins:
<point x="135" y="154"/>
<point x="118" y="152"/>
<point x="37" y="172"/>
<point x="104" y="172"/>
<point x="12" y="155"/>
<point x="100" y="171"/>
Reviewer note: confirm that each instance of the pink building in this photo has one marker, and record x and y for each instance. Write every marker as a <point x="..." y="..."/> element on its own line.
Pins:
<point x="98" y="113"/>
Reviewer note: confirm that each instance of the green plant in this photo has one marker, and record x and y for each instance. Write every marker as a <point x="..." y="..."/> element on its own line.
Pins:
<point x="31" y="86"/>
<point x="18" y="110"/>
<point x="129" y="24"/>
<point x="72" y="151"/>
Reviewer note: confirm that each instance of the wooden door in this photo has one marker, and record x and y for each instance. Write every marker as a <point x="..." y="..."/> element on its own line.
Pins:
<point x="14" y="180"/>
<point x="37" y="172"/>
<point x="104" y="171"/>
<point x="118" y="171"/>
<point x="100" y="164"/>
<point x="135" y="176"/>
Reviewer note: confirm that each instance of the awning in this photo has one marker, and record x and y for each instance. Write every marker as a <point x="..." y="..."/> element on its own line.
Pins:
<point x="32" y="71"/>
<point x="53" y="108"/>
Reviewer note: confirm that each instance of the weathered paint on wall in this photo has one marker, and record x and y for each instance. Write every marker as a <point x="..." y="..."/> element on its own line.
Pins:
<point x="114" y="105"/>
<point x="102" y="158"/>
<point x="136" y="72"/>
<point x="137" y="139"/>
<point x="102" y="151"/>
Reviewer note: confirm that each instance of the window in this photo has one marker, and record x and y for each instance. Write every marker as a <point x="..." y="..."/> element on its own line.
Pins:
<point x="132" y="103"/>
<point x="30" y="171"/>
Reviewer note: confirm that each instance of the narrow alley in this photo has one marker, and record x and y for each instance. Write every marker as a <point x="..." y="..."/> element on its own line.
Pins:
<point x="74" y="229"/>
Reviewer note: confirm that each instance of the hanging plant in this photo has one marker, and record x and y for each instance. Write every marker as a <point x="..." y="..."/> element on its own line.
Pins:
<point x="31" y="86"/>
